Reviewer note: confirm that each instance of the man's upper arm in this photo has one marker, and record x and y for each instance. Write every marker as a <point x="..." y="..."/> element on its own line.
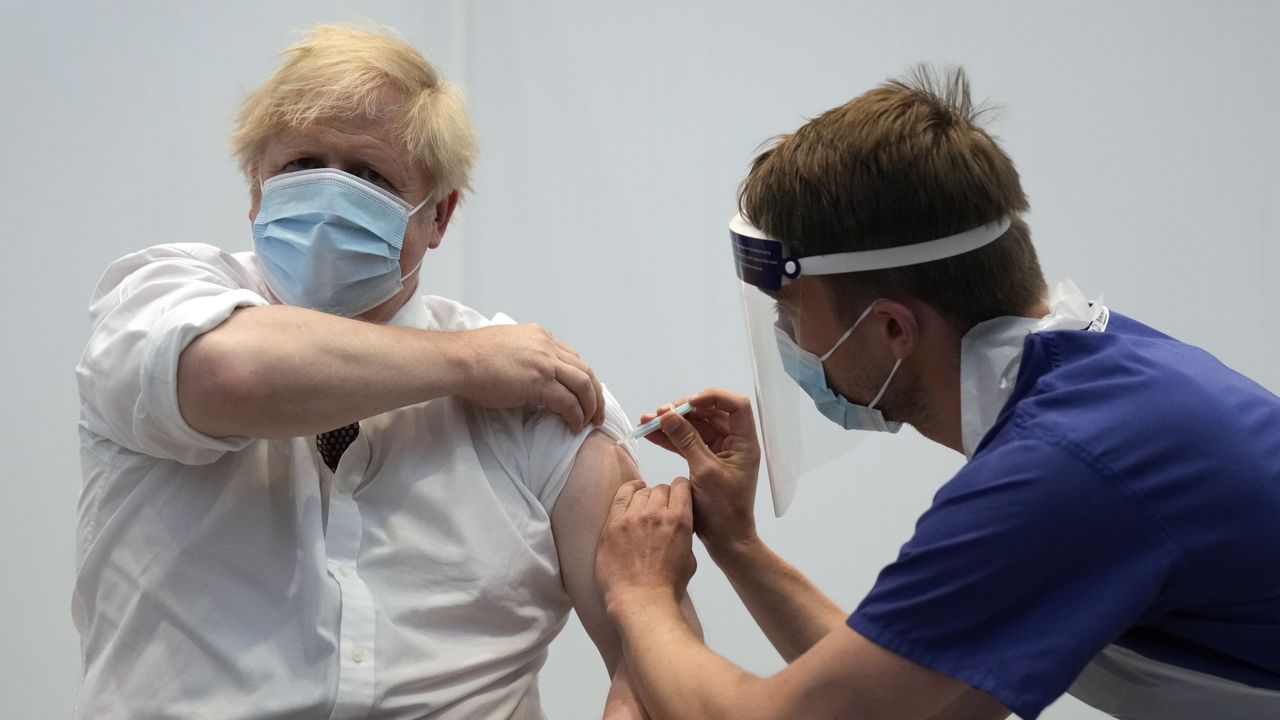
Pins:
<point x="600" y="468"/>
<point x="145" y="311"/>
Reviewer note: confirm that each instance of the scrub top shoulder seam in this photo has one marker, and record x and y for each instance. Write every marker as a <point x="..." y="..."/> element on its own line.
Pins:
<point x="1027" y="428"/>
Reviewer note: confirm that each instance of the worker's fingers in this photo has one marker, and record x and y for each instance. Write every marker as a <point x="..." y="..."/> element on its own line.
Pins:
<point x="623" y="498"/>
<point x="736" y="406"/>
<point x="681" y="497"/>
<point x="658" y="497"/>
<point x="640" y="499"/>
<point x="687" y="441"/>
<point x="720" y="423"/>
<point x="658" y="438"/>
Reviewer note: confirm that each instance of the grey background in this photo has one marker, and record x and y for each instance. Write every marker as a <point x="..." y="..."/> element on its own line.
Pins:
<point x="613" y="137"/>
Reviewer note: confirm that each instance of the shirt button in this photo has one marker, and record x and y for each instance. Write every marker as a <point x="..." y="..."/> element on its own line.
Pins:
<point x="357" y="656"/>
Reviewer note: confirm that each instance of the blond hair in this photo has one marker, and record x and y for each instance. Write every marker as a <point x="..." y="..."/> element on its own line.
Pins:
<point x="906" y="162"/>
<point x="341" y="71"/>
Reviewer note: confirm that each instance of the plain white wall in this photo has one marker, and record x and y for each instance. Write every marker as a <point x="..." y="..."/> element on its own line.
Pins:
<point x="613" y="137"/>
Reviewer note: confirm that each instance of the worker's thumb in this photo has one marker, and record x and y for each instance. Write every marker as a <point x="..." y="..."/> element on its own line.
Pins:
<point x="687" y="441"/>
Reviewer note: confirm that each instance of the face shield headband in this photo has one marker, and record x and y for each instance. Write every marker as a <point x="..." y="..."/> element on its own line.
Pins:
<point x="796" y="439"/>
<point x="765" y="262"/>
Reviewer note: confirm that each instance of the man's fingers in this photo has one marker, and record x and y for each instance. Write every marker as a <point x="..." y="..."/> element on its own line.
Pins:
<point x="622" y="499"/>
<point x="598" y="419"/>
<point x="564" y="403"/>
<point x="582" y="385"/>
<point x="570" y="357"/>
<point x="565" y="348"/>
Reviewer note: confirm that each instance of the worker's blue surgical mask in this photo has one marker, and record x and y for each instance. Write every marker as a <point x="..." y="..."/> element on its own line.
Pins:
<point x="806" y="369"/>
<point x="329" y="241"/>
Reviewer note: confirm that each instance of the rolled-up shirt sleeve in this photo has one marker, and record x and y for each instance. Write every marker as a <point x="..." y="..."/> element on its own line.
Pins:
<point x="553" y="447"/>
<point x="146" y="309"/>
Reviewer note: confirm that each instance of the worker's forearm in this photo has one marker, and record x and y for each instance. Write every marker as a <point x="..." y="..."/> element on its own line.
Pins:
<point x="281" y="371"/>
<point x="678" y="677"/>
<point x="690" y="615"/>
<point x="623" y="701"/>
<point x="793" y="613"/>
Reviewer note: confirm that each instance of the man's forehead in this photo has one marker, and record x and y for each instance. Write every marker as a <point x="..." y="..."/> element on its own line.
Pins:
<point x="372" y="140"/>
<point x="356" y="132"/>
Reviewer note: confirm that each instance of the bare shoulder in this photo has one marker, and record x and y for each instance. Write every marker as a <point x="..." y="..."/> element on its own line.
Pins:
<point x="601" y="467"/>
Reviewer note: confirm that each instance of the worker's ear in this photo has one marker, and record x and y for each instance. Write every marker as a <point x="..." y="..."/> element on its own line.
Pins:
<point x="900" y="326"/>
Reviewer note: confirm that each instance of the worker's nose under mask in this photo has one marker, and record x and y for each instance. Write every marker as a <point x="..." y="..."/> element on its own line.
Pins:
<point x="806" y="369"/>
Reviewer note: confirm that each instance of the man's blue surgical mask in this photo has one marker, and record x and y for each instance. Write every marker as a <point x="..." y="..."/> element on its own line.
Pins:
<point x="806" y="369"/>
<point x="329" y="241"/>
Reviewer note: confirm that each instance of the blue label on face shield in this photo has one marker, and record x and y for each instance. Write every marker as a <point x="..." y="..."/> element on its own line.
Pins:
<point x="759" y="262"/>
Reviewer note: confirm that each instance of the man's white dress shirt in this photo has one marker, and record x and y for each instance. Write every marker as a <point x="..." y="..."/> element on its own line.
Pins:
<point x="240" y="578"/>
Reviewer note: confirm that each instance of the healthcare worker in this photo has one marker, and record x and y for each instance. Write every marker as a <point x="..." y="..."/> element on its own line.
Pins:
<point x="1115" y="532"/>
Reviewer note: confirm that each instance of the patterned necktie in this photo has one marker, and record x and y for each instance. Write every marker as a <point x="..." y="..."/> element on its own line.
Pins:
<point x="335" y="442"/>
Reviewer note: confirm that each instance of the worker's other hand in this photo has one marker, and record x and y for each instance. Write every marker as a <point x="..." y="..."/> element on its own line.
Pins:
<point x="718" y="439"/>
<point x="511" y="366"/>
<point x="646" y="544"/>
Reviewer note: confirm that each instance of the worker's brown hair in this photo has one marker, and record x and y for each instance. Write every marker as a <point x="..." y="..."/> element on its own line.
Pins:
<point x="904" y="163"/>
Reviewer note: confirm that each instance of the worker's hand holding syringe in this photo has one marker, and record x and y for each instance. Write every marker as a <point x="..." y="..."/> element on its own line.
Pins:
<point x="715" y="432"/>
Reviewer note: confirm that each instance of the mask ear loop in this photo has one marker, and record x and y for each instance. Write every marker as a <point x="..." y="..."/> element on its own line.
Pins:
<point x="415" y="269"/>
<point x="409" y="274"/>
<point x="885" y="386"/>
<point x="848" y="332"/>
<point x="420" y="205"/>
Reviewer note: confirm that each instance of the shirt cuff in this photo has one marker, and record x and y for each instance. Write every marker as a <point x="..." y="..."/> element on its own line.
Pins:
<point x="158" y="410"/>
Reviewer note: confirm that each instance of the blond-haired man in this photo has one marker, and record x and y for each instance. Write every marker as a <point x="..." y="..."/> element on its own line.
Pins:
<point x="310" y="491"/>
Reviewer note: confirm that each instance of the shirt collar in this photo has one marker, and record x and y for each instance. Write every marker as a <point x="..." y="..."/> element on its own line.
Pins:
<point x="991" y="354"/>
<point x="412" y="314"/>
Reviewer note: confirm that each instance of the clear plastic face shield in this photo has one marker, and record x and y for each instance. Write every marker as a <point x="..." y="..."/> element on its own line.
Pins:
<point x="803" y="428"/>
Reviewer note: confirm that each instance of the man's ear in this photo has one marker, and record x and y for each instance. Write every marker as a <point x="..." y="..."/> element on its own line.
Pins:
<point x="443" y="214"/>
<point x="255" y="194"/>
